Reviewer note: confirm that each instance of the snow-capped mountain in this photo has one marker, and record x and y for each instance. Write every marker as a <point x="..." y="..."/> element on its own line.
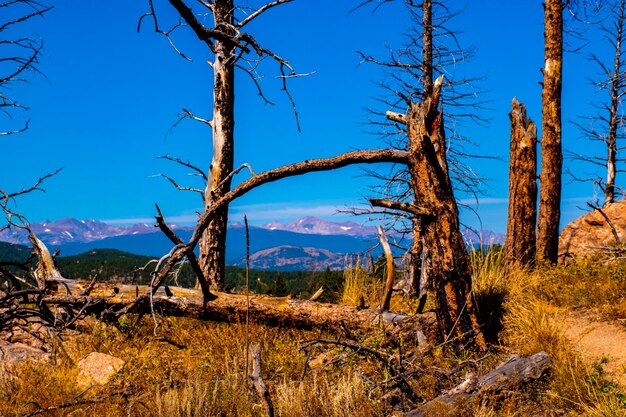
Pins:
<point x="70" y="230"/>
<point x="303" y="244"/>
<point x="316" y="226"/>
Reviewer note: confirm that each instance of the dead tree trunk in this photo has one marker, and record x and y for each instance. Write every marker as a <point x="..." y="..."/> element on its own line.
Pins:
<point x="519" y="247"/>
<point x="213" y="243"/>
<point x="551" y="152"/>
<point x="617" y="85"/>
<point x="416" y="286"/>
<point x="450" y="270"/>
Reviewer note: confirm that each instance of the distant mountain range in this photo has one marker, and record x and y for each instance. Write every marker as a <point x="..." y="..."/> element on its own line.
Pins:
<point x="316" y="226"/>
<point x="304" y="244"/>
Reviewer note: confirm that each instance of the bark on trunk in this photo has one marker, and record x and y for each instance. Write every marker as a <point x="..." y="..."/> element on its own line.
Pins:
<point x="519" y="246"/>
<point x="415" y="270"/>
<point x="616" y="82"/>
<point x="551" y="152"/>
<point x="450" y="271"/>
<point x="213" y="243"/>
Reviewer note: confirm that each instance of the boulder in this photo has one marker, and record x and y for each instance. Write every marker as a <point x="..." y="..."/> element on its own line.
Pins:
<point x="97" y="368"/>
<point x="586" y="234"/>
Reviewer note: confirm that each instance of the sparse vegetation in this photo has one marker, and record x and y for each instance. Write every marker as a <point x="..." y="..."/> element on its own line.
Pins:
<point x="195" y="368"/>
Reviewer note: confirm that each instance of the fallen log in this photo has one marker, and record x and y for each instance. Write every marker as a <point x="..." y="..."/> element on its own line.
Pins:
<point x="516" y="370"/>
<point x="280" y="311"/>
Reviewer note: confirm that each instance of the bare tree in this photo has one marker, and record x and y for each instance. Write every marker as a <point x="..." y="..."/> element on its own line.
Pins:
<point x="431" y="49"/>
<point x="519" y="247"/>
<point x="20" y="54"/>
<point x="607" y="125"/>
<point x="232" y="48"/>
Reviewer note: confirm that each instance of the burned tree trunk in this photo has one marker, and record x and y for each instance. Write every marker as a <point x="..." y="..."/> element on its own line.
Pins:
<point x="416" y="285"/>
<point x="519" y="247"/>
<point x="213" y="244"/>
<point x="450" y="270"/>
<point x="617" y="87"/>
<point x="551" y="152"/>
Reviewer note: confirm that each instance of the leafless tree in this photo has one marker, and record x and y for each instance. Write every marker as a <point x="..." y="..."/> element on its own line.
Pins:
<point x="607" y="125"/>
<point x="550" y="178"/>
<point x="19" y="55"/>
<point x="232" y="48"/>
<point x="431" y="49"/>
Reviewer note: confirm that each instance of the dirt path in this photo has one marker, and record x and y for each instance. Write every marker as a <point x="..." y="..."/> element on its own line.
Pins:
<point x="596" y="339"/>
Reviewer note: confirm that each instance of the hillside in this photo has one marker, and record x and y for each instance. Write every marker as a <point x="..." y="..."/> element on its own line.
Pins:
<point x="10" y="252"/>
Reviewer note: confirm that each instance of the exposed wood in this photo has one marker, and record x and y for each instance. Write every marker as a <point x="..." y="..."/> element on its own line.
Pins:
<point x="401" y="206"/>
<point x="317" y="294"/>
<point x="46" y="271"/>
<point x="391" y="268"/>
<point x="396" y="117"/>
<point x="519" y="246"/>
<point x="278" y="311"/>
<point x="449" y="270"/>
<point x="551" y="148"/>
<point x="509" y="375"/>
<point x="212" y="257"/>
<point x="257" y="380"/>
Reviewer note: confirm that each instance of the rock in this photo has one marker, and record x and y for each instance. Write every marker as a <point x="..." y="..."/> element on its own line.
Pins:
<point x="97" y="368"/>
<point x="592" y="230"/>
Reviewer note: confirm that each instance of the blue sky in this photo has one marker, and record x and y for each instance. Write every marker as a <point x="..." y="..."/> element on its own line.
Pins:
<point x="108" y="98"/>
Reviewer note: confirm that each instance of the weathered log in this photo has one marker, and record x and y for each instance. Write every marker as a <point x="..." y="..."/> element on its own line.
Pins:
<point x="281" y="311"/>
<point x="516" y="370"/>
<point x="519" y="246"/>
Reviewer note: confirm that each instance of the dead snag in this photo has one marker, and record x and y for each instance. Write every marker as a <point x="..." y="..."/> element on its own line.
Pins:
<point x="519" y="246"/>
<point x="391" y="267"/>
<point x="450" y="270"/>
<point x="257" y="381"/>
<point x="551" y="148"/>
<point x="514" y="371"/>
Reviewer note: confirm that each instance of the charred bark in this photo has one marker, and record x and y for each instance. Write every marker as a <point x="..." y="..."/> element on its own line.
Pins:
<point x="551" y="149"/>
<point x="450" y="270"/>
<point x="519" y="247"/>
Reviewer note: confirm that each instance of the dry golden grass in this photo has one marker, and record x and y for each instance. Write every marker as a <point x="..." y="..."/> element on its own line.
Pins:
<point x="359" y="286"/>
<point x="532" y="302"/>
<point x="196" y="368"/>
